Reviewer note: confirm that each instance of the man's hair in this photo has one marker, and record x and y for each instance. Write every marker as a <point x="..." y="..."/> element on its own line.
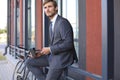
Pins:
<point x="53" y="1"/>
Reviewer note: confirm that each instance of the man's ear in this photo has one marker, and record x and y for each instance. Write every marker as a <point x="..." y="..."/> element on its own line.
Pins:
<point x="56" y="8"/>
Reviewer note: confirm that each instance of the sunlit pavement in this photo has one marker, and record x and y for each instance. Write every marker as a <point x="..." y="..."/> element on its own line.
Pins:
<point x="6" y="66"/>
<point x="2" y="47"/>
<point x="6" y="70"/>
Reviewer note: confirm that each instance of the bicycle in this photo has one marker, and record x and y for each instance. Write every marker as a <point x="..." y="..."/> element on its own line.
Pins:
<point x="21" y="72"/>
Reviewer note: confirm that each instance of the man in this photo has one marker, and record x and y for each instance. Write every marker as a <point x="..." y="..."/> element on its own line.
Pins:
<point x="61" y="52"/>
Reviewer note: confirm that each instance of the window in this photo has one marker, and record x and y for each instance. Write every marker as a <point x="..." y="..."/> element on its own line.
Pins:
<point x="31" y="23"/>
<point x="18" y="22"/>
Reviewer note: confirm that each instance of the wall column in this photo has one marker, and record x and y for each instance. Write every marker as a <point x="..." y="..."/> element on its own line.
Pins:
<point x="39" y="24"/>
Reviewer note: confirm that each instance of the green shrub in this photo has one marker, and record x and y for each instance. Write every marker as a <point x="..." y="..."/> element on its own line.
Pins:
<point x="3" y="31"/>
<point x="2" y="57"/>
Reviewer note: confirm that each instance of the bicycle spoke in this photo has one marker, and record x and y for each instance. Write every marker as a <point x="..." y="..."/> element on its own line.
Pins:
<point x="18" y="71"/>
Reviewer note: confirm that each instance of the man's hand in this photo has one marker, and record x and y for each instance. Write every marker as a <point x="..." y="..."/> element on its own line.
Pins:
<point x="45" y="50"/>
<point x="30" y="55"/>
<point x="36" y="55"/>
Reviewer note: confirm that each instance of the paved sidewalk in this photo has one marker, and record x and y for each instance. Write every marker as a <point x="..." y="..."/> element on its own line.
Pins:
<point x="6" y="70"/>
<point x="6" y="66"/>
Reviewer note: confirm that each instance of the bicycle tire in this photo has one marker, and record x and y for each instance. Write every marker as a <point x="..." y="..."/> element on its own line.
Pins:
<point x="19" y="71"/>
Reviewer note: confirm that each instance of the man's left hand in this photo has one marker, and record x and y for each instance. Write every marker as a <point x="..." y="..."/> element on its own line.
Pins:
<point x="45" y="50"/>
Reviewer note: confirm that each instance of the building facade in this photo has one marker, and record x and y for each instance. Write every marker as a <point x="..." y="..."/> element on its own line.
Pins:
<point x="96" y="33"/>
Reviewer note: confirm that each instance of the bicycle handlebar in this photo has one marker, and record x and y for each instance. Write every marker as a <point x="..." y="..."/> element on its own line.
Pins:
<point x="31" y="51"/>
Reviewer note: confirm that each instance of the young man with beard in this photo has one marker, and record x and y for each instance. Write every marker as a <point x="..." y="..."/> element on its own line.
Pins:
<point x="61" y="52"/>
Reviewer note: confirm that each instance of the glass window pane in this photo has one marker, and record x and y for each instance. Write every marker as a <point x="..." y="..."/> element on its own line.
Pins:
<point x="33" y="23"/>
<point x="18" y="22"/>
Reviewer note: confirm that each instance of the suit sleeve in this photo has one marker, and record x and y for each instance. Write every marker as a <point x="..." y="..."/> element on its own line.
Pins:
<point x="66" y="42"/>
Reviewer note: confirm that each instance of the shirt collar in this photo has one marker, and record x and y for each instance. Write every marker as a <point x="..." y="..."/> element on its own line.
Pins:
<point x="54" y="19"/>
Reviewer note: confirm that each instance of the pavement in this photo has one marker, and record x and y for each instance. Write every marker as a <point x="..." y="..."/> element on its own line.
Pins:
<point x="6" y="70"/>
<point x="6" y="66"/>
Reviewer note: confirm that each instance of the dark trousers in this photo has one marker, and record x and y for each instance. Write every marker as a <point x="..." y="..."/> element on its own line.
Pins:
<point x="35" y="66"/>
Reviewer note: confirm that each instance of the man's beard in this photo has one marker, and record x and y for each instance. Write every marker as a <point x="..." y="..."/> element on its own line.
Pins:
<point x="52" y="15"/>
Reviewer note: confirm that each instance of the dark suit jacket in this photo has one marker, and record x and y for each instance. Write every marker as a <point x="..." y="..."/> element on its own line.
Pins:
<point x="62" y="44"/>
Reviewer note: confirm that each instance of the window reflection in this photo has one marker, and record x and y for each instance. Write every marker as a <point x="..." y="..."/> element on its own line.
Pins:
<point x="29" y="24"/>
<point x="18" y="22"/>
<point x="33" y="23"/>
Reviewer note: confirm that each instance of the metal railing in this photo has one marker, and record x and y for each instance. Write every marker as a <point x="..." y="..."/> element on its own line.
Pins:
<point x="15" y="51"/>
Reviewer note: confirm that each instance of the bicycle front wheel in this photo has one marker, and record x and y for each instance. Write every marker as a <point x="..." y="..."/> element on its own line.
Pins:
<point x="19" y="71"/>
